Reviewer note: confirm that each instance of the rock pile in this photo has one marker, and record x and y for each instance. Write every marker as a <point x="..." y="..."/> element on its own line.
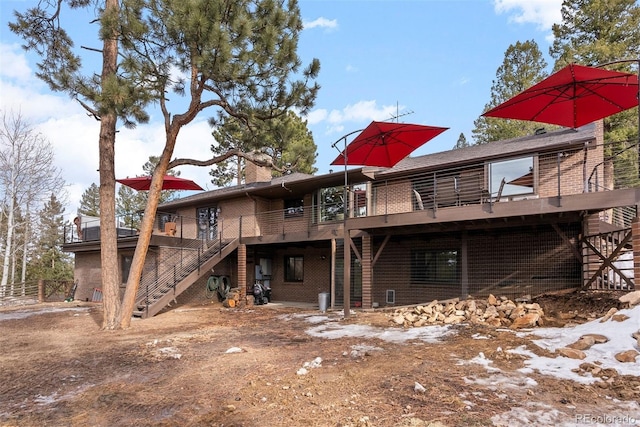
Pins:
<point x="632" y="298"/>
<point x="497" y="312"/>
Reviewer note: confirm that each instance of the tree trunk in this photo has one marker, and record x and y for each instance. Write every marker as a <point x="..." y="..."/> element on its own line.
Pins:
<point x="146" y="228"/>
<point x="25" y="248"/>
<point x="108" y="239"/>
<point x="9" y="237"/>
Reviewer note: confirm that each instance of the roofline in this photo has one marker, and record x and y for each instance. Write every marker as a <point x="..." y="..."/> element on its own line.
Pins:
<point x="572" y="138"/>
<point x="290" y="185"/>
<point x="330" y="179"/>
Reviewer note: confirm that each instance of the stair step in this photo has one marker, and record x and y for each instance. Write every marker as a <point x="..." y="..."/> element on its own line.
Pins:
<point x="161" y="286"/>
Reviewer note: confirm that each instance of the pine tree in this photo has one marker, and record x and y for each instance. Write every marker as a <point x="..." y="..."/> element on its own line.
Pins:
<point x="238" y="56"/>
<point x="90" y="201"/>
<point x="48" y="260"/>
<point x="113" y="93"/>
<point x="129" y="206"/>
<point x="286" y="139"/>
<point x="462" y="142"/>
<point x="290" y="143"/>
<point x="523" y="66"/>
<point x="594" y="32"/>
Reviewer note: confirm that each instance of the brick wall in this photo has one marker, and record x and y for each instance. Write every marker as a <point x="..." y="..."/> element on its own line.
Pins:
<point x="317" y="275"/>
<point x="255" y="173"/>
<point x="392" y="197"/>
<point x="231" y="211"/>
<point x="87" y="273"/>
<point x="527" y="260"/>
<point x="573" y="174"/>
<point x="188" y="227"/>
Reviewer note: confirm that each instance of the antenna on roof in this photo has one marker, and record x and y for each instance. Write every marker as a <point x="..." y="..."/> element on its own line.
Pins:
<point x="398" y="115"/>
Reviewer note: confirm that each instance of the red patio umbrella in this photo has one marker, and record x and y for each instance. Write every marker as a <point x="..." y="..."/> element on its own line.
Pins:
<point x="572" y="97"/>
<point x="525" y="180"/>
<point x="386" y="143"/>
<point x="142" y="183"/>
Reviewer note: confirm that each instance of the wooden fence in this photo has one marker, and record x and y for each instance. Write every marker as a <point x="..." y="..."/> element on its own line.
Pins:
<point x="35" y="291"/>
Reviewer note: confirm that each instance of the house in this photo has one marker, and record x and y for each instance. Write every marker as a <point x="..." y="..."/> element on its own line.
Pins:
<point x="517" y="218"/>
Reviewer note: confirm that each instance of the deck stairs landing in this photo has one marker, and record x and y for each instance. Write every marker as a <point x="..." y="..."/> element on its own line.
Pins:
<point x="178" y="272"/>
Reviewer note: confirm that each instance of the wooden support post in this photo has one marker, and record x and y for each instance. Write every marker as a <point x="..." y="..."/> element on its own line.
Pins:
<point x="347" y="274"/>
<point x="367" y="273"/>
<point x="333" y="273"/>
<point x="40" y="290"/>
<point x="464" y="264"/>
<point x="635" y="243"/>
<point x="242" y="270"/>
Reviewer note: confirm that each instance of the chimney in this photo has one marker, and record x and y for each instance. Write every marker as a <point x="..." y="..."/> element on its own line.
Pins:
<point x="255" y="173"/>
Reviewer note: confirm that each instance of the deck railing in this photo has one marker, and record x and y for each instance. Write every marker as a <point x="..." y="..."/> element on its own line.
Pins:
<point x="552" y="174"/>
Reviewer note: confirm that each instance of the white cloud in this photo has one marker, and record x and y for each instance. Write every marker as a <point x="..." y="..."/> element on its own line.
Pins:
<point x="365" y="111"/>
<point x="13" y="65"/>
<point x="316" y="116"/>
<point x="542" y="13"/>
<point x="351" y="69"/>
<point x="361" y="112"/>
<point x="330" y="24"/>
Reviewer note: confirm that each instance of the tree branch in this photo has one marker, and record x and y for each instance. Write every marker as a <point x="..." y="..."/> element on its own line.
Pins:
<point x="93" y="49"/>
<point x="257" y="157"/>
<point x="92" y="112"/>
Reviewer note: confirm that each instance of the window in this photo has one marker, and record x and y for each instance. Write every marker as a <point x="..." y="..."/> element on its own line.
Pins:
<point x="329" y="204"/>
<point x="207" y="223"/>
<point x="359" y="202"/>
<point x="293" y="268"/>
<point x="517" y="174"/>
<point x="125" y="266"/>
<point x="293" y="208"/>
<point x="163" y="218"/>
<point x="434" y="266"/>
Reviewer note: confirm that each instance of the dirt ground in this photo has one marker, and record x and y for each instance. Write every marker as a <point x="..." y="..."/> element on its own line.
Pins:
<point x="206" y="365"/>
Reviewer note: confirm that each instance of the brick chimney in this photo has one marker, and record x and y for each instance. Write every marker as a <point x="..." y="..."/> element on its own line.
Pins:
<point x="255" y="173"/>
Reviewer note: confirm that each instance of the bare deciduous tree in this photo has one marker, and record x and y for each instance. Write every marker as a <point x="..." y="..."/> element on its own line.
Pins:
<point x="27" y="177"/>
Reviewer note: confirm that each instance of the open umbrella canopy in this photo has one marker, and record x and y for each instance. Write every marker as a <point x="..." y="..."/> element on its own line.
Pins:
<point x="572" y="97"/>
<point x="525" y="180"/>
<point x="170" y="182"/>
<point x="386" y="143"/>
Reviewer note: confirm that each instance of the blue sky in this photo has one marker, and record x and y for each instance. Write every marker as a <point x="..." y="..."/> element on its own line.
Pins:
<point x="433" y="62"/>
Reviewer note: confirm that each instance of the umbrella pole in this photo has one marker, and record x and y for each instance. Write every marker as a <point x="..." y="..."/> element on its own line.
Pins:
<point x="638" y="141"/>
<point x="346" y="285"/>
<point x="347" y="241"/>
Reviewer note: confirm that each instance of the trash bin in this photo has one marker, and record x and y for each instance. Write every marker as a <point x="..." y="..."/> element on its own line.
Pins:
<point x="323" y="301"/>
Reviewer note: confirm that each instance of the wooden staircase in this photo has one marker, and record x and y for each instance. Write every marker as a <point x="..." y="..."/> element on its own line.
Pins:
<point x="603" y="252"/>
<point x="158" y="288"/>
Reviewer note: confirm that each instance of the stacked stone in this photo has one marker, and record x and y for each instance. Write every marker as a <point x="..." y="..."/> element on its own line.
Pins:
<point x="497" y="312"/>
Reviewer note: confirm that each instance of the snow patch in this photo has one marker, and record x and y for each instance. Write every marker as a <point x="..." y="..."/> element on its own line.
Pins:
<point x="23" y="314"/>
